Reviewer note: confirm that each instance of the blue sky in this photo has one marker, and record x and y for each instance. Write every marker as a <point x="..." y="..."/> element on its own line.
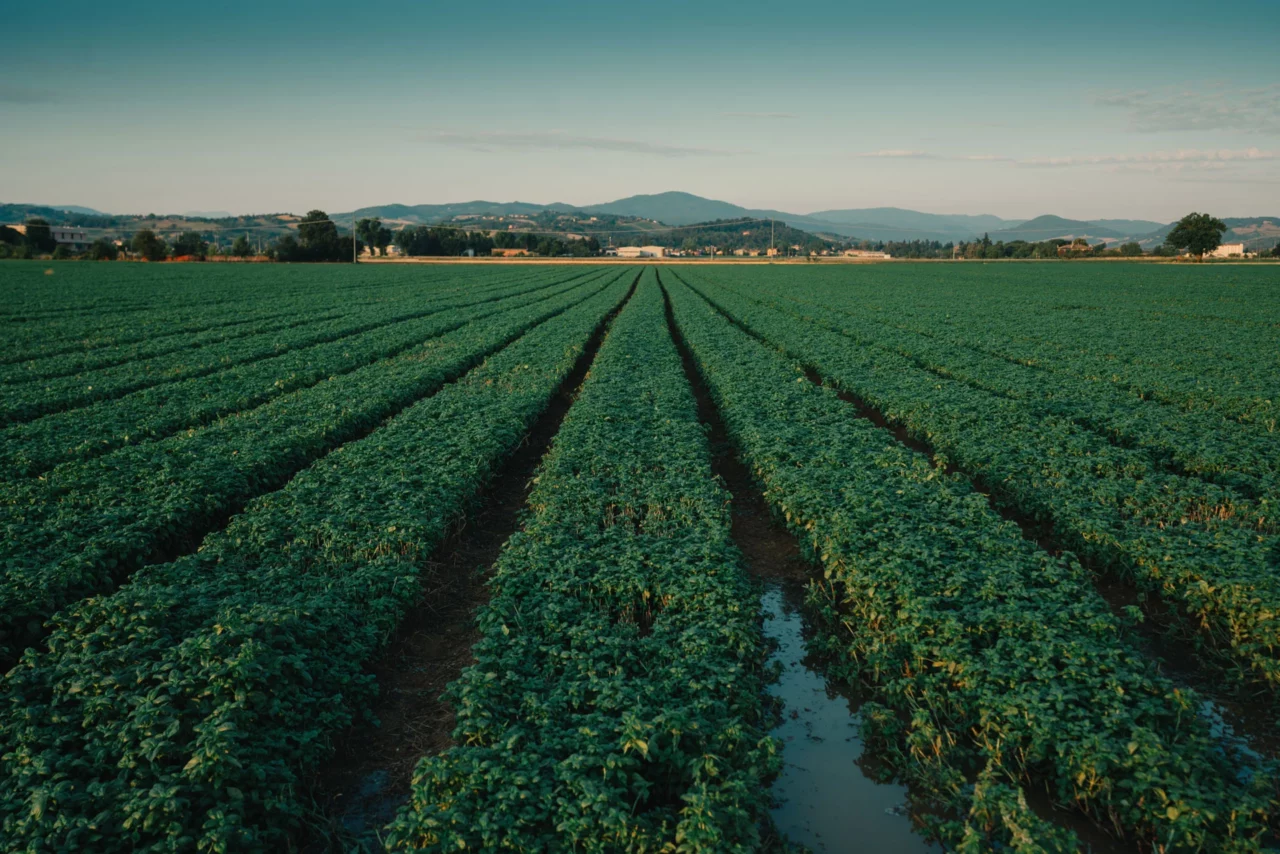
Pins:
<point x="1089" y="110"/>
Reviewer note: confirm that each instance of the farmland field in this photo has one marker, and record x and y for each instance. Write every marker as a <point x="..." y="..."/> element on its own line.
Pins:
<point x="701" y="558"/>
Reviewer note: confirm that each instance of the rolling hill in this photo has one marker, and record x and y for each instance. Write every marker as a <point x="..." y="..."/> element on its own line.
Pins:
<point x="679" y="208"/>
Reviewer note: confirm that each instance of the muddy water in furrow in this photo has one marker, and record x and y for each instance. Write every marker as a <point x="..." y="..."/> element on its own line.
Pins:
<point x="828" y="798"/>
<point x="825" y="799"/>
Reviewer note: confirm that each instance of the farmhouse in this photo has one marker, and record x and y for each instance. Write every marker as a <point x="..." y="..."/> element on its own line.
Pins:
<point x="865" y="253"/>
<point x="642" y="251"/>
<point x="1228" y="250"/>
<point x="72" y="238"/>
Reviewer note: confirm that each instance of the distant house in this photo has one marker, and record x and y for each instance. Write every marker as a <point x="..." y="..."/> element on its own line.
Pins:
<point x="865" y="253"/>
<point x="642" y="251"/>
<point x="1228" y="250"/>
<point x="70" y="237"/>
<point x="1068" y="248"/>
<point x="509" y="253"/>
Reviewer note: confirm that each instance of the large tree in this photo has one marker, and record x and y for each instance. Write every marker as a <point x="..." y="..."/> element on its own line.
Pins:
<point x="240" y="248"/>
<point x="382" y="239"/>
<point x="367" y="232"/>
<point x="102" y="250"/>
<point x="1197" y="233"/>
<point x="148" y="245"/>
<point x="39" y="236"/>
<point x="189" y="243"/>
<point x="319" y="239"/>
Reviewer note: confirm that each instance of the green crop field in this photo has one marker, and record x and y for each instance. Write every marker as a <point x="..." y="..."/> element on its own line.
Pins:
<point x="1033" y="508"/>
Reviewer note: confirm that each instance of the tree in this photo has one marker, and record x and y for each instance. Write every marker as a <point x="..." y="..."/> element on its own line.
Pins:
<point x="10" y="236"/>
<point x="240" y="248"/>
<point x="1275" y="252"/>
<point x="319" y="240"/>
<point x="288" y="249"/>
<point x="148" y="245"/>
<point x="382" y="239"/>
<point x="1197" y="233"/>
<point x="39" y="236"/>
<point x="189" y="243"/>
<point x="316" y="229"/>
<point x="1131" y="250"/>
<point x="367" y="231"/>
<point x="102" y="250"/>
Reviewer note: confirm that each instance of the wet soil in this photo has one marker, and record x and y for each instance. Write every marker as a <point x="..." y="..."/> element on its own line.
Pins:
<point x="829" y="796"/>
<point x="359" y="790"/>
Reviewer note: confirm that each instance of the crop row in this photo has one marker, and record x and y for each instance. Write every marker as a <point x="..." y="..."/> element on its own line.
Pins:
<point x="998" y="666"/>
<point x="1178" y="536"/>
<point x="1199" y="443"/>
<point x="230" y="295"/>
<point x="186" y="711"/>
<point x="30" y="400"/>
<point x="280" y="313"/>
<point x="147" y="414"/>
<point x="67" y="364"/>
<point x="616" y="699"/>
<point x="85" y="526"/>
<point x="109" y="307"/>
<point x="1228" y="370"/>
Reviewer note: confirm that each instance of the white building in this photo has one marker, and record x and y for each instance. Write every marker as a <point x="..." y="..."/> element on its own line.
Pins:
<point x="73" y="238"/>
<point x="642" y="251"/>
<point x="1228" y="250"/>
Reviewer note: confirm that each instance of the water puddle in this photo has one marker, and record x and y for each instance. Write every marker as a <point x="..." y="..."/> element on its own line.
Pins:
<point x="824" y="800"/>
<point x="370" y="808"/>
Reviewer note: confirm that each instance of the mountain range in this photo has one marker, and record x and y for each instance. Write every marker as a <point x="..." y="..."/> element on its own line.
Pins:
<point x="676" y="209"/>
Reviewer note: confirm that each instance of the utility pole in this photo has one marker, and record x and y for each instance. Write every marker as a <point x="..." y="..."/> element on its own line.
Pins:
<point x="355" y="253"/>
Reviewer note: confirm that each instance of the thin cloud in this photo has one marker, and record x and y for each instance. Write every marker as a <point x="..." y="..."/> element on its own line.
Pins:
<point x="1250" y="110"/>
<point x="898" y="153"/>
<point x="560" y="140"/>
<point x="1154" y="161"/>
<point x="741" y="115"/>
<point x="25" y="95"/>
<point x="1160" y="160"/>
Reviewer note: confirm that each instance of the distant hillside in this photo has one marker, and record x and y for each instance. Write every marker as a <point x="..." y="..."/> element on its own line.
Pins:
<point x="676" y="208"/>
<point x="425" y="214"/>
<point x="1129" y="226"/>
<point x="875" y="224"/>
<point x="619" y="230"/>
<point x="1049" y="227"/>
<point x="672" y="208"/>
<point x="681" y="209"/>
<point x="915" y="220"/>
<point x="1257" y="232"/>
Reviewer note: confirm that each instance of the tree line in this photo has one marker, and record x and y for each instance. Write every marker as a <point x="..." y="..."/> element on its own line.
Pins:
<point x="318" y="239"/>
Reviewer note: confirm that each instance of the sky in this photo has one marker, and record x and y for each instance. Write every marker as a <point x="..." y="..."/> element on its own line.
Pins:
<point x="1088" y="110"/>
